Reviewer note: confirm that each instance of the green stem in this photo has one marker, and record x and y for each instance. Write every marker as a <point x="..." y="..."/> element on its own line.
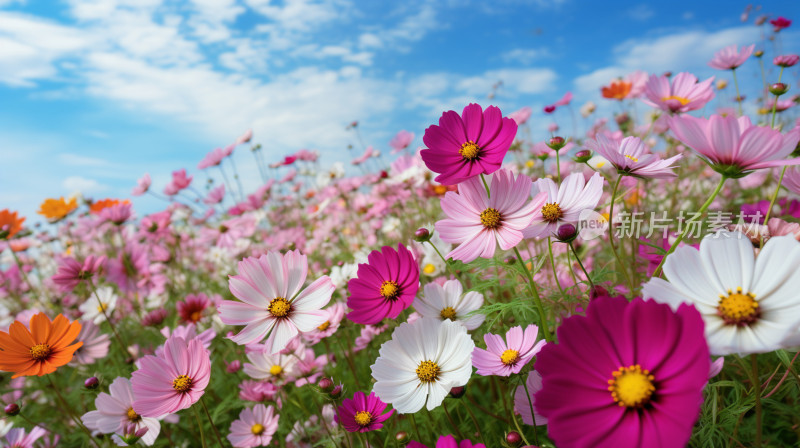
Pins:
<point x="199" y="426"/>
<point x="446" y="265"/>
<point x="533" y="416"/>
<point x="519" y="430"/>
<point x="474" y="422"/>
<point x="571" y="246"/>
<point x="775" y="103"/>
<point x="69" y="411"/>
<point x="210" y="420"/>
<point x="553" y="264"/>
<point x="108" y="319"/>
<point x="558" y="168"/>
<point x="702" y="210"/>
<point x="450" y="419"/>
<point x="485" y="185"/>
<point x="416" y="428"/>
<point x="775" y="195"/>
<point x="738" y="97"/>
<point x="757" y="392"/>
<point x="620" y="265"/>
<point x="536" y="298"/>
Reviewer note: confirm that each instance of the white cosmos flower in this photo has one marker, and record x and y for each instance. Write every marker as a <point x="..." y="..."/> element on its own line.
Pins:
<point x="265" y="366"/>
<point x="450" y="302"/>
<point x="421" y="363"/>
<point x="749" y="304"/>
<point x="93" y="308"/>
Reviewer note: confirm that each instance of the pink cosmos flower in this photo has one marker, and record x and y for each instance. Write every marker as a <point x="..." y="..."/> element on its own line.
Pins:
<point x="564" y="100"/>
<point x="734" y="146"/>
<point x="447" y="442"/>
<point x="257" y="391"/>
<point x="384" y="287"/>
<point x="464" y="146"/>
<point x="179" y="182"/>
<point x="16" y="437"/>
<point x="631" y="157"/>
<point x="503" y="359"/>
<point x="213" y="158"/>
<point x="276" y="367"/>
<point x="563" y="204"/>
<point x="142" y="185"/>
<point x="401" y="141"/>
<point x="95" y="344"/>
<point x="273" y="304"/>
<point x="228" y="150"/>
<point x="173" y="381"/>
<point x="244" y="138"/>
<point x="70" y="272"/>
<point x="524" y="401"/>
<point x="638" y="80"/>
<point x="683" y="95"/>
<point x="479" y="223"/>
<point x="791" y="180"/>
<point x="786" y="60"/>
<point x="367" y="334"/>
<point x="215" y="195"/>
<point x="780" y="23"/>
<point x="363" y="157"/>
<point x="627" y="374"/>
<point x="309" y="367"/>
<point x="362" y="413"/>
<point x="117" y="213"/>
<point x="729" y="58"/>
<point x="255" y="427"/>
<point x="335" y="315"/>
<point x="521" y="116"/>
<point x="115" y="412"/>
<point x="191" y="309"/>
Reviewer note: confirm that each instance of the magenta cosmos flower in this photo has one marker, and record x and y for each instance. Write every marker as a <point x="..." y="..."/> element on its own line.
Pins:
<point x="563" y="204"/>
<point x="465" y="146"/>
<point x="255" y="427"/>
<point x="734" y="147"/>
<point x="627" y="374"/>
<point x="448" y="442"/>
<point x="272" y="303"/>
<point x="71" y="272"/>
<point x="730" y="57"/>
<point x="384" y="287"/>
<point x="479" y="223"/>
<point x="632" y="158"/>
<point x="683" y="95"/>
<point x="363" y="413"/>
<point x="173" y="381"/>
<point x="503" y="358"/>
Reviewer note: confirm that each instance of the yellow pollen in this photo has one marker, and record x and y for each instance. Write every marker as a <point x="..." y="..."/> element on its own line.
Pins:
<point x="133" y="416"/>
<point x="390" y="290"/>
<point x="628" y="156"/>
<point x="680" y="99"/>
<point x="182" y="383"/>
<point x="428" y="371"/>
<point x="440" y="189"/>
<point x="279" y="307"/>
<point x="257" y="429"/>
<point x="429" y="269"/>
<point x="490" y="218"/>
<point x="324" y="326"/>
<point x="448" y="313"/>
<point x="363" y="418"/>
<point x="470" y="151"/>
<point x="551" y="212"/>
<point x="275" y="370"/>
<point x="509" y="357"/>
<point x="631" y="386"/>
<point x="738" y="308"/>
<point x="40" y="352"/>
<point x="195" y="316"/>
<point x="102" y="307"/>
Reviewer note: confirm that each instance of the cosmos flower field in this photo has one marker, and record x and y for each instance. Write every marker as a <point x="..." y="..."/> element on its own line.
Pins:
<point x="629" y="283"/>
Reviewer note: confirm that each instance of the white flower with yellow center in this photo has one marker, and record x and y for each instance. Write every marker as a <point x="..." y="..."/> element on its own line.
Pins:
<point x="749" y="304"/>
<point x="275" y="368"/>
<point x="94" y="307"/>
<point x="421" y="363"/>
<point x="448" y="301"/>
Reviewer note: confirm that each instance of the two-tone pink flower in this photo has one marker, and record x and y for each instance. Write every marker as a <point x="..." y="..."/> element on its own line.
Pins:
<point x="503" y="358"/>
<point x="632" y="158"/>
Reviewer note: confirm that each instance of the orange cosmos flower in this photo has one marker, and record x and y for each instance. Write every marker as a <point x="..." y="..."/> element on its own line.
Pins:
<point x="98" y="206"/>
<point x="57" y="209"/>
<point x="41" y="350"/>
<point x="617" y="90"/>
<point x="10" y="223"/>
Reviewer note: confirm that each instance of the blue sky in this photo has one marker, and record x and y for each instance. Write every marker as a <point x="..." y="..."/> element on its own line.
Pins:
<point x="94" y="93"/>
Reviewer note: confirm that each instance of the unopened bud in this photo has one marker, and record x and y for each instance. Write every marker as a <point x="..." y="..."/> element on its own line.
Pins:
<point x="622" y="119"/>
<point x="401" y="437"/>
<point x="336" y="392"/>
<point x="778" y="88"/>
<point x="513" y="438"/>
<point x="556" y="143"/>
<point x="510" y="260"/>
<point x="582" y="156"/>
<point x="422" y="234"/>
<point x="597" y="291"/>
<point x="91" y="383"/>
<point x="758" y="53"/>
<point x="12" y="409"/>
<point x="566" y="233"/>
<point x="458" y="391"/>
<point x="325" y="385"/>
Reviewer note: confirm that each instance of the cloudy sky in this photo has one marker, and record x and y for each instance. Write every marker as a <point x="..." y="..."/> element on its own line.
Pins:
<point x="94" y="93"/>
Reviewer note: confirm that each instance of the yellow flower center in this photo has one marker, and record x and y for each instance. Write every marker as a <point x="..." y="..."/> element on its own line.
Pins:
<point x="182" y="383"/>
<point x="428" y="371"/>
<point x="737" y="308"/>
<point x="40" y="352"/>
<point x="133" y="416"/>
<point x="680" y="99"/>
<point x="490" y="218"/>
<point x="448" y="313"/>
<point x="469" y="150"/>
<point x="631" y="386"/>
<point x="551" y="212"/>
<point x="440" y="189"/>
<point x="279" y="307"/>
<point x="429" y="269"/>
<point x="257" y="429"/>
<point x="324" y="326"/>
<point x="363" y="418"/>
<point x="195" y="316"/>
<point x="628" y="156"/>
<point x="390" y="290"/>
<point x="275" y="370"/>
<point x="102" y="307"/>
<point x="509" y="357"/>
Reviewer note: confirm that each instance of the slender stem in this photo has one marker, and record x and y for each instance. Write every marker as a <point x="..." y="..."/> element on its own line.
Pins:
<point x="738" y="97"/>
<point x="22" y="272"/>
<point x="533" y="416"/>
<point x="199" y="426"/>
<point x="485" y="185"/>
<point x="346" y="354"/>
<point x="702" y="210"/>
<point x="757" y="392"/>
<point x="553" y="264"/>
<point x="775" y="103"/>
<point x="108" y="319"/>
<point x="452" y="423"/>
<point x="775" y="194"/>
<point x="416" y="428"/>
<point x="558" y="168"/>
<point x="236" y="176"/>
<point x="783" y="378"/>
<point x="364" y="439"/>
<point x="519" y="430"/>
<point x="69" y="411"/>
<point x="210" y="420"/>
<point x="446" y="266"/>
<point x="571" y="246"/>
<point x="763" y="77"/>
<point x="474" y="422"/>
<point x="486" y="411"/>
<point x="536" y="298"/>
<point x="620" y="265"/>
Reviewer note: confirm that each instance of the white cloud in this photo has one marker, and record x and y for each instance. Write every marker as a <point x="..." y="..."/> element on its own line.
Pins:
<point x="525" y="55"/>
<point x="78" y="184"/>
<point x="83" y="161"/>
<point x="300" y="15"/>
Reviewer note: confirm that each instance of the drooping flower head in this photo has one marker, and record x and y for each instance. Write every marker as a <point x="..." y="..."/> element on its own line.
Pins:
<point x="273" y="304"/>
<point x="213" y="158"/>
<point x="478" y="223"/>
<point x="683" y="95"/>
<point x="173" y="381"/>
<point x="57" y="209"/>
<point x="464" y="146"/>
<point x="142" y="185"/>
<point x="362" y="413"/>
<point x="421" y="363"/>
<point x="563" y="204"/>
<point x="631" y="157"/>
<point x="749" y="304"/>
<point x="10" y="224"/>
<point x="626" y="374"/>
<point x="449" y="301"/>
<point x="255" y="427"/>
<point x="730" y="57"/>
<point x="115" y="412"/>
<point x="503" y="358"/>
<point x="384" y="287"/>
<point x="40" y="350"/>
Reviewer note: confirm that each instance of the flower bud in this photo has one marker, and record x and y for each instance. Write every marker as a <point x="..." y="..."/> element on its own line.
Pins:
<point x="778" y="88"/>
<point x="566" y="233"/>
<point x="12" y="409"/>
<point x="510" y="260"/>
<point x="513" y="438"/>
<point x="556" y="143"/>
<point x="336" y="392"/>
<point x="325" y="384"/>
<point x="401" y="437"/>
<point x="233" y="366"/>
<point x="458" y="392"/>
<point x="597" y="291"/>
<point x="758" y="53"/>
<point x="91" y="383"/>
<point x="421" y="235"/>
<point x="582" y="156"/>
<point x="622" y="119"/>
<point x="549" y="109"/>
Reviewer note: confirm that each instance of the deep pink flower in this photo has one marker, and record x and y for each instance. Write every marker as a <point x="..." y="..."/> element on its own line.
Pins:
<point x="735" y="147"/>
<point x="447" y="442"/>
<point x="462" y="147"/>
<point x="683" y="95"/>
<point x="631" y="157"/>
<point x="627" y="374"/>
<point x="503" y="358"/>
<point x="401" y="141"/>
<point x="730" y="57"/>
<point x="786" y="60"/>
<point x="780" y="23"/>
<point x="215" y="195"/>
<point x="173" y="381"/>
<point x="384" y="287"/>
<point x="273" y="305"/>
<point x="362" y="413"/>
<point x="255" y="427"/>
<point x="521" y="116"/>
<point x="213" y="158"/>
<point x="70" y="272"/>
<point x="142" y="185"/>
<point x="191" y="309"/>
<point x="549" y="109"/>
<point x="479" y="223"/>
